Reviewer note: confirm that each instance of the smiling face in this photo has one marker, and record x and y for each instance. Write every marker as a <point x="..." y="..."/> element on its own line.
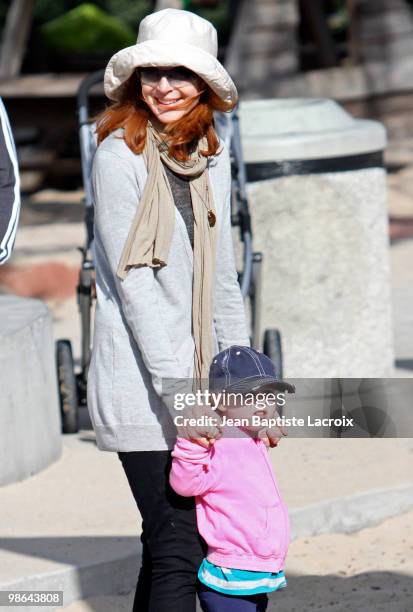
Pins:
<point x="170" y="93"/>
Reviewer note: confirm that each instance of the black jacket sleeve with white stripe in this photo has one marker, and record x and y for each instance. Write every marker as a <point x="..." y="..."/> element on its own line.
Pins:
<point x="9" y="187"/>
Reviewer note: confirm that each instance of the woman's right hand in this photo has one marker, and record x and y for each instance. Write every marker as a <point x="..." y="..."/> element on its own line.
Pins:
<point x="206" y="428"/>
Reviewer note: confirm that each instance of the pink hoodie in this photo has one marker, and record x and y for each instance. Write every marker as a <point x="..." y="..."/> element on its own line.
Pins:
<point x="240" y="512"/>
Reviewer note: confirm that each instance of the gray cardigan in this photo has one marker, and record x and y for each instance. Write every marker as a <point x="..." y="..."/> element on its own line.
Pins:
<point x="142" y="327"/>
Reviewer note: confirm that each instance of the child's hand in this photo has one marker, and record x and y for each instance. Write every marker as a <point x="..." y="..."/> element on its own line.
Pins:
<point x="272" y="435"/>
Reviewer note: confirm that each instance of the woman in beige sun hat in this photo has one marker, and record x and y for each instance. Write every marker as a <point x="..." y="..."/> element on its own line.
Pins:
<point x="168" y="297"/>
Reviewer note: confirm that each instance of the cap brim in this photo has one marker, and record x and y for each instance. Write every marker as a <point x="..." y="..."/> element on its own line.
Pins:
<point x="164" y="53"/>
<point x="260" y="383"/>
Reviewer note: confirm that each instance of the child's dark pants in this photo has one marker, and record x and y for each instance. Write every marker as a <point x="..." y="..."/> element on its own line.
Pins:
<point x="212" y="601"/>
<point x="172" y="549"/>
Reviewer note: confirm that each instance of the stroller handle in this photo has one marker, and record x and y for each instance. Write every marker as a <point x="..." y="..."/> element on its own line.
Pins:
<point x="83" y="94"/>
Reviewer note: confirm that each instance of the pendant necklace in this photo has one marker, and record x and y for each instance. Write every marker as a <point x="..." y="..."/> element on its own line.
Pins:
<point x="210" y="213"/>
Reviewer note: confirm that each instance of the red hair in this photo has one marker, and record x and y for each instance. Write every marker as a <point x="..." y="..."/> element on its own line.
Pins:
<point x="132" y="113"/>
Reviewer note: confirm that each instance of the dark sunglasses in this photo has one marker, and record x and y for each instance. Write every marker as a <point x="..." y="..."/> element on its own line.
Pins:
<point x="177" y="77"/>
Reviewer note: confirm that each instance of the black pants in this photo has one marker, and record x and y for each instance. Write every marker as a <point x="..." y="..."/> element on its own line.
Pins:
<point x="172" y="549"/>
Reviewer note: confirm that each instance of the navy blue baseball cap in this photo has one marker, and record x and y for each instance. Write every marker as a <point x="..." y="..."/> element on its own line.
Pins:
<point x="243" y="369"/>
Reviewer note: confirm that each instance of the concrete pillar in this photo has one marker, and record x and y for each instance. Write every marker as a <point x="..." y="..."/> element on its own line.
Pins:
<point x="30" y="426"/>
<point x="318" y="202"/>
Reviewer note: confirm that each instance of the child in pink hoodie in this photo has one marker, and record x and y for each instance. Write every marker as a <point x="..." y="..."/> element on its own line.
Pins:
<point x="240" y="512"/>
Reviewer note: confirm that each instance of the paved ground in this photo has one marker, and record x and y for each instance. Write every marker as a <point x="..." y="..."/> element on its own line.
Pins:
<point x="368" y="571"/>
<point x="82" y="515"/>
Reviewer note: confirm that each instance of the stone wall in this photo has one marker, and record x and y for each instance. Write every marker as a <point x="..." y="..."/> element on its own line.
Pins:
<point x="263" y="46"/>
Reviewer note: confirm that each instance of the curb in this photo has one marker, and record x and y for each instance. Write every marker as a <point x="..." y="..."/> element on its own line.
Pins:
<point x="117" y="574"/>
<point x="113" y="575"/>
<point x="351" y="513"/>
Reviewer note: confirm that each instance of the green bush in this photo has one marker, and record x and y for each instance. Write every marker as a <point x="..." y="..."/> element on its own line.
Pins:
<point x="85" y="29"/>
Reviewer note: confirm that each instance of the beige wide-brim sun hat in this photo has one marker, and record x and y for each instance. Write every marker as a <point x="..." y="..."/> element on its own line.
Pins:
<point x="168" y="38"/>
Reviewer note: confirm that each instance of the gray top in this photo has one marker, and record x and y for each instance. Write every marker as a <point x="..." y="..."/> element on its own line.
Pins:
<point x="182" y="197"/>
<point x="143" y="324"/>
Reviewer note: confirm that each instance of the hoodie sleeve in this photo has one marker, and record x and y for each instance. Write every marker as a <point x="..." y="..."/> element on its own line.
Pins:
<point x="193" y="472"/>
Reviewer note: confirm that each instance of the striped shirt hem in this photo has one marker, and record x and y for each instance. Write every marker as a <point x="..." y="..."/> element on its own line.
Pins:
<point x="240" y="582"/>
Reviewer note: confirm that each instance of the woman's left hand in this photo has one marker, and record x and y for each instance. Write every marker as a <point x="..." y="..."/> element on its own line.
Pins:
<point x="205" y="427"/>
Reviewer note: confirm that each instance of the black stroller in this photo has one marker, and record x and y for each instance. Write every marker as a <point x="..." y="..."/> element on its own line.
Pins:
<point x="72" y="383"/>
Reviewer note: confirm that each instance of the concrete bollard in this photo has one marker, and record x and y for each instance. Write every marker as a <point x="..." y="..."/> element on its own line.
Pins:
<point x="30" y="427"/>
<point x="317" y="189"/>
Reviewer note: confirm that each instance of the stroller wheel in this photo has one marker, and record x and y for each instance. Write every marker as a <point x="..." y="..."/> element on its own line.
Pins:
<point x="272" y="348"/>
<point x="67" y="387"/>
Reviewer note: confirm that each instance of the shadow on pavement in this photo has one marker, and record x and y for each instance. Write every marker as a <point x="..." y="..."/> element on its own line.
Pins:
<point x="81" y="566"/>
<point x="366" y="592"/>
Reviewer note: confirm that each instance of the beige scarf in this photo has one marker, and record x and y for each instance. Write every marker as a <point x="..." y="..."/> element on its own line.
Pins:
<point x="151" y="232"/>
